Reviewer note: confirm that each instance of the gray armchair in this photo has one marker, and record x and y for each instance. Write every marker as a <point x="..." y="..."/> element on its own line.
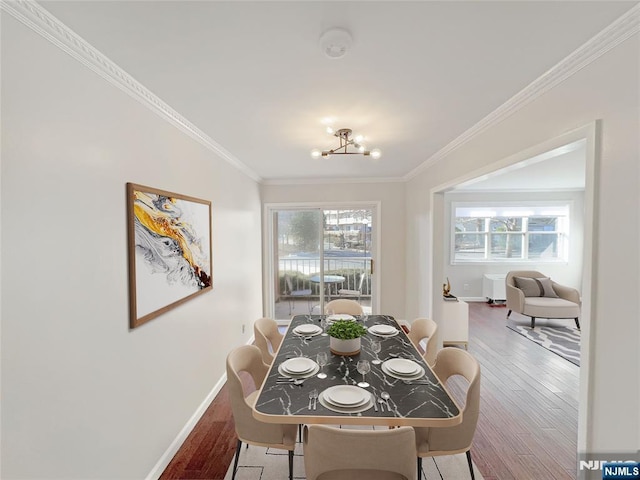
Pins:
<point x="533" y="294"/>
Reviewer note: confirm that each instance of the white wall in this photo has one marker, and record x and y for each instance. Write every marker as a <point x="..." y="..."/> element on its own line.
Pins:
<point x="390" y="270"/>
<point x="566" y="273"/>
<point x="606" y="89"/>
<point x="83" y="396"/>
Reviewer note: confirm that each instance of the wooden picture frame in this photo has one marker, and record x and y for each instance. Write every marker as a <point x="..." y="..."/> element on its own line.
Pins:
<point x="169" y="248"/>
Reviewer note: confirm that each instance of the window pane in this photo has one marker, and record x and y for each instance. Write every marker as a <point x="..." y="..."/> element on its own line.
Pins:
<point x="469" y="224"/>
<point x="543" y="245"/>
<point x="543" y="224"/>
<point x="506" y="245"/>
<point x="506" y="224"/>
<point x="469" y="246"/>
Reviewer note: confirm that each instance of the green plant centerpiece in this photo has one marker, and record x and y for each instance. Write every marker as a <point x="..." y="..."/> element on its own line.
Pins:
<point x="344" y="337"/>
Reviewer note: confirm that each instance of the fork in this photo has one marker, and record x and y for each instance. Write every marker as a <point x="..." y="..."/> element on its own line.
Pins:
<point x="314" y="392"/>
<point x="310" y="398"/>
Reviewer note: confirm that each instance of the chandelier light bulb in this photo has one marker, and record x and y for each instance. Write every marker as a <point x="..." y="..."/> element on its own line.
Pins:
<point x="361" y="148"/>
<point x="358" y="139"/>
<point x="315" y="153"/>
<point x="330" y="130"/>
<point x="376" y="153"/>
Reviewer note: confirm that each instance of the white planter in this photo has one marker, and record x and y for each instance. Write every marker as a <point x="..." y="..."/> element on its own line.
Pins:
<point x="344" y="347"/>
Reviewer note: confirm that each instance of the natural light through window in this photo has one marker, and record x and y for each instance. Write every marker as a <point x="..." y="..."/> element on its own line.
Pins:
<point x="509" y="233"/>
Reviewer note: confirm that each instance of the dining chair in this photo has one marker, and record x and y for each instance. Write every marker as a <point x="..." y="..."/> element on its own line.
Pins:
<point x="332" y="453"/>
<point x="420" y="329"/>
<point x="343" y="305"/>
<point x="248" y="359"/>
<point x="267" y="337"/>
<point x="357" y="293"/>
<point x="432" y="442"/>
<point x="300" y="293"/>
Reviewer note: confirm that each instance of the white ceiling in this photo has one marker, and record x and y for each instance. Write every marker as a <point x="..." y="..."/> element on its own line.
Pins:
<point x="251" y="75"/>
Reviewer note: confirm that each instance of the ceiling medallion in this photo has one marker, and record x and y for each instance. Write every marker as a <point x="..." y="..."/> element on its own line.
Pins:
<point x="348" y="145"/>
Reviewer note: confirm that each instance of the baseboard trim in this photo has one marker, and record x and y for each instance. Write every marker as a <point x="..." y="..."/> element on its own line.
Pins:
<point x="177" y="442"/>
<point x="473" y="299"/>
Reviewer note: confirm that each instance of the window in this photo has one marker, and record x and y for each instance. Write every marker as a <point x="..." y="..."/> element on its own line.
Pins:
<point x="507" y="233"/>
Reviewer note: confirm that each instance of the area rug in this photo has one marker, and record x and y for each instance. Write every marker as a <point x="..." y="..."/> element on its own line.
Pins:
<point x="258" y="463"/>
<point x="552" y="335"/>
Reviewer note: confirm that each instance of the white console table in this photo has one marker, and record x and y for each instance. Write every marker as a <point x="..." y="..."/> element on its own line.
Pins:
<point x="493" y="286"/>
<point x="454" y="324"/>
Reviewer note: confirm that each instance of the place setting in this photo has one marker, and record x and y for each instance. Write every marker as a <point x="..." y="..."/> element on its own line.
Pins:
<point x="307" y="330"/>
<point x="340" y="316"/>
<point x="403" y="369"/>
<point x="346" y="399"/>
<point x="297" y="368"/>
<point x="383" y="330"/>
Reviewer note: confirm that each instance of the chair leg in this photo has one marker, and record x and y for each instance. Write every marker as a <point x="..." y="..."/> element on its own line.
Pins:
<point x="577" y="323"/>
<point x="419" y="468"/>
<point x="470" y="464"/>
<point x="290" y="464"/>
<point x="508" y="313"/>
<point x="300" y="433"/>
<point x="533" y="322"/>
<point x="235" y="462"/>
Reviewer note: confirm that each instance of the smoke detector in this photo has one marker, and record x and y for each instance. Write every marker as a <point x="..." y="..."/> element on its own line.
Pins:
<point x="335" y="42"/>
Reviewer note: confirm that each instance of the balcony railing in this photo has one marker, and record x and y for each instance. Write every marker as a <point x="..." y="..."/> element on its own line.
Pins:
<point x="300" y="270"/>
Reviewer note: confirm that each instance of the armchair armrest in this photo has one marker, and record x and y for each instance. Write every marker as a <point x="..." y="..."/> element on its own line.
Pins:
<point x="515" y="298"/>
<point x="568" y="293"/>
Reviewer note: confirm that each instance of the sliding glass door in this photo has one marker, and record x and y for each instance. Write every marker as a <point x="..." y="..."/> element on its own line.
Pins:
<point x="318" y="254"/>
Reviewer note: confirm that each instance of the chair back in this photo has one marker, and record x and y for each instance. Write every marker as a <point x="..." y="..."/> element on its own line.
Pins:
<point x="334" y="454"/>
<point x="509" y="279"/>
<point x="267" y="337"/>
<point x="422" y="328"/>
<point x="248" y="359"/>
<point x="455" y="361"/>
<point x="342" y="305"/>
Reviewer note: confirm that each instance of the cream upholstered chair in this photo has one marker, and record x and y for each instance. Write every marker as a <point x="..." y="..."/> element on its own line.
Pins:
<point x="420" y="329"/>
<point x="344" y="454"/>
<point x="436" y="441"/>
<point x="268" y="338"/>
<point x="533" y="294"/>
<point x="343" y="305"/>
<point x="249" y="430"/>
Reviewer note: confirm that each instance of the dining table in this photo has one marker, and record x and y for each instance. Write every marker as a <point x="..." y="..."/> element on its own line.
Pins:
<point x="328" y="281"/>
<point x="394" y="396"/>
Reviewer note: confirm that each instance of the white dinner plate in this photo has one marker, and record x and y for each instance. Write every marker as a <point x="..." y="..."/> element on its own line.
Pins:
<point x="298" y="365"/>
<point x="307" y="329"/>
<point x="340" y="316"/>
<point x="346" y="396"/>
<point x="393" y="374"/>
<point x="402" y="366"/>
<point x="308" y="374"/>
<point x="383" y="329"/>
<point x="358" y="409"/>
<point x="375" y="332"/>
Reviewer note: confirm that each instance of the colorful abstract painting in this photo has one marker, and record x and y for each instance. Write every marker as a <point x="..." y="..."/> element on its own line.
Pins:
<point x="169" y="250"/>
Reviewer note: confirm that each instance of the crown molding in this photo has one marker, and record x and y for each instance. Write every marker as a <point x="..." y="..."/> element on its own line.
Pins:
<point x="330" y="180"/>
<point x="42" y="22"/>
<point x="617" y="32"/>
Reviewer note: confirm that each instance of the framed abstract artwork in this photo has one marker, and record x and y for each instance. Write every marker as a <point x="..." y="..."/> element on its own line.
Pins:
<point x="169" y="243"/>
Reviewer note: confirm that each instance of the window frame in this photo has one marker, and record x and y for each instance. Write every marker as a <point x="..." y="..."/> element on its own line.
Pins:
<point x="560" y="209"/>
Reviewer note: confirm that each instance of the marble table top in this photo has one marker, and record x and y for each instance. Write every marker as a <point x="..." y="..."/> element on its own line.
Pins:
<point x="422" y="403"/>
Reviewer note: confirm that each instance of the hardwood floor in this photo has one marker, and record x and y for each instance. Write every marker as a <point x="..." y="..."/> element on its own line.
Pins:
<point x="527" y="428"/>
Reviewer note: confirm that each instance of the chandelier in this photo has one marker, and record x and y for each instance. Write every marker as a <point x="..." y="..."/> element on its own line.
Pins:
<point x="348" y="146"/>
